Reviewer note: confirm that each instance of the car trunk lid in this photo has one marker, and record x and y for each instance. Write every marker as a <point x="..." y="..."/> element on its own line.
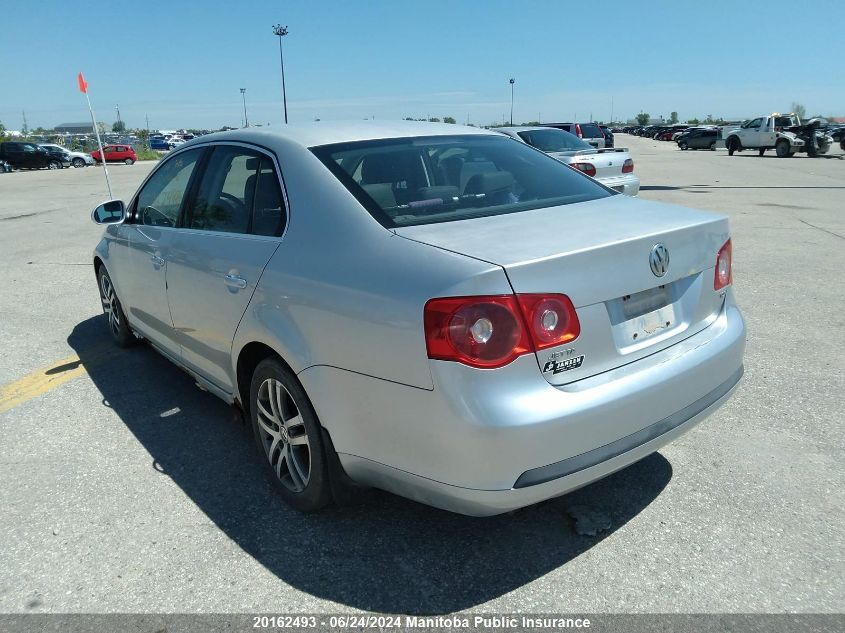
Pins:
<point x="598" y="254"/>
<point x="608" y="163"/>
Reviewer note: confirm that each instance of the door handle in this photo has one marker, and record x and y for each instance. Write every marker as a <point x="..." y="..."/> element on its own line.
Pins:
<point x="158" y="261"/>
<point x="236" y="281"/>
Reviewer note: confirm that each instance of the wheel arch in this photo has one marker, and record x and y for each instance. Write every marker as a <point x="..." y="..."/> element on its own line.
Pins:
<point x="249" y="356"/>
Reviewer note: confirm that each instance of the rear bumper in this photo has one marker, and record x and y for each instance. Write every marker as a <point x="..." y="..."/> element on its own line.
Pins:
<point x="486" y="442"/>
<point x="578" y="471"/>
<point x="629" y="184"/>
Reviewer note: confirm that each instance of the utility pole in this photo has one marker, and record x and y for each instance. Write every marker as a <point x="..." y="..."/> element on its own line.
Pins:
<point x="25" y="128"/>
<point x="243" y="95"/>
<point x="147" y="119"/>
<point x="281" y="31"/>
<point x="611" y="110"/>
<point x="117" y="109"/>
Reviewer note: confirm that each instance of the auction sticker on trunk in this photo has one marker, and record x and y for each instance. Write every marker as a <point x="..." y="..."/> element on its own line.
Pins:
<point x="563" y="364"/>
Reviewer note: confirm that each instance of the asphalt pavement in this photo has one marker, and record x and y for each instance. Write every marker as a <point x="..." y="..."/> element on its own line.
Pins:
<point x="124" y="488"/>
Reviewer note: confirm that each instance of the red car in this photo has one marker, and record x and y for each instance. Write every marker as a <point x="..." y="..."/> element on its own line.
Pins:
<point x="116" y="154"/>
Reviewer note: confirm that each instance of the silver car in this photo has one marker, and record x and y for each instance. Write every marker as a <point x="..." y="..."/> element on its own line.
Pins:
<point x="77" y="159"/>
<point x="613" y="167"/>
<point x="438" y="311"/>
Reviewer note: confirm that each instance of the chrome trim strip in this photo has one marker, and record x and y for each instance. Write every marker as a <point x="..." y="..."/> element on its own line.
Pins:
<point x="629" y="442"/>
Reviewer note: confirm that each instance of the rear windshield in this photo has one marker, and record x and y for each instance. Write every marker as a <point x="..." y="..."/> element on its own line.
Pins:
<point x="590" y="130"/>
<point x="424" y="180"/>
<point x="553" y="140"/>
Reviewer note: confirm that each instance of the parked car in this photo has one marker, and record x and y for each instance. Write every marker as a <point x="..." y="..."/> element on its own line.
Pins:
<point x="449" y="314"/>
<point x="612" y="167"/>
<point x="60" y="154"/>
<point x="608" y="135"/>
<point x="699" y="139"/>
<point x="159" y="144"/>
<point x="23" y="155"/>
<point x="116" y="154"/>
<point x="589" y="132"/>
<point x="837" y="133"/>
<point x="77" y="159"/>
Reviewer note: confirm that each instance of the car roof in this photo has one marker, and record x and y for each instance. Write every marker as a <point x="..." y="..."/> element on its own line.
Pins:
<point x="329" y="132"/>
<point x="524" y="128"/>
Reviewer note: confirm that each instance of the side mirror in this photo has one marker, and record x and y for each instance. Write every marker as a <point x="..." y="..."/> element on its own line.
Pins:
<point x="111" y="212"/>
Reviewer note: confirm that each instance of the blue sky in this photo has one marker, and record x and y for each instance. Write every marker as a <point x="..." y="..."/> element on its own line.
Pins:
<point x="182" y="63"/>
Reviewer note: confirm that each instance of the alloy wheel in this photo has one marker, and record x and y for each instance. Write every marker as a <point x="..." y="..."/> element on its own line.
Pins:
<point x="111" y="307"/>
<point x="283" y="435"/>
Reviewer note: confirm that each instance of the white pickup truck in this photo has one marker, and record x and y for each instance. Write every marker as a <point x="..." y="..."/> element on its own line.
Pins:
<point x="783" y="133"/>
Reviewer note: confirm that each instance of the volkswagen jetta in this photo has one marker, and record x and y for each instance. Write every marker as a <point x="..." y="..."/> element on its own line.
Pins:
<point x="439" y="311"/>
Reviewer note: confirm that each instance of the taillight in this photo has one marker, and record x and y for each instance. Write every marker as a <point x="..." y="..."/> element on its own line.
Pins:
<point x="578" y="131"/>
<point x="628" y="166"/>
<point x="724" y="275"/>
<point x="482" y="331"/>
<point x="587" y="168"/>
<point x="491" y="331"/>
<point x="551" y="319"/>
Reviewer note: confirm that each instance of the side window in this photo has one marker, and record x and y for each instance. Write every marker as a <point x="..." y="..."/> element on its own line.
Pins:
<point x="239" y="193"/>
<point x="161" y="198"/>
<point x="756" y="123"/>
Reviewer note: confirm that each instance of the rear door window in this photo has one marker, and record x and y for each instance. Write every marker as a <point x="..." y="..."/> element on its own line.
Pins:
<point x="239" y="193"/>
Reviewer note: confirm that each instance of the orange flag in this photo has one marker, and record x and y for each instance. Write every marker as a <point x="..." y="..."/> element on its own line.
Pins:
<point x="83" y="85"/>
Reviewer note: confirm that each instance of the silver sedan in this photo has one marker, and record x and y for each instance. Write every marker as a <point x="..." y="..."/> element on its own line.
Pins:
<point x="613" y="167"/>
<point x="438" y="311"/>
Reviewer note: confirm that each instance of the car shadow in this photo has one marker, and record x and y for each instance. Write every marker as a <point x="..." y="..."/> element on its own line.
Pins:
<point x="384" y="554"/>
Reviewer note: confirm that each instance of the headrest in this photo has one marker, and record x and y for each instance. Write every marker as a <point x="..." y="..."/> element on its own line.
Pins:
<point x="489" y="182"/>
<point x="385" y="167"/>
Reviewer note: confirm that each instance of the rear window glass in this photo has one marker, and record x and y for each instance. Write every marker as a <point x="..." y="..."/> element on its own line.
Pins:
<point x="423" y="180"/>
<point x="553" y="140"/>
<point x="590" y="130"/>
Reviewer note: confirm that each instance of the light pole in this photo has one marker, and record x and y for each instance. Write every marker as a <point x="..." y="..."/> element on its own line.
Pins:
<point x="281" y="31"/>
<point x="512" y="82"/>
<point x="243" y="95"/>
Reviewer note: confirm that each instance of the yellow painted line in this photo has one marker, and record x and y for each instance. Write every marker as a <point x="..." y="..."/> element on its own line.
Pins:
<point x="40" y="382"/>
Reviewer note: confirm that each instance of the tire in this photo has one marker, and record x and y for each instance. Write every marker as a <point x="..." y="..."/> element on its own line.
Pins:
<point x="733" y="145"/>
<point x="118" y="327"/>
<point x="713" y="146"/>
<point x="782" y="148"/>
<point x="289" y="437"/>
<point x="683" y="145"/>
<point x="54" y="164"/>
<point x="129" y="161"/>
<point x="78" y="162"/>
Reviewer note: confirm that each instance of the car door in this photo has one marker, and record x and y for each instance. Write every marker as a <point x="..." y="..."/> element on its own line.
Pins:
<point x="232" y="226"/>
<point x="141" y="280"/>
<point x="12" y="154"/>
<point x="751" y="133"/>
<point x="30" y="158"/>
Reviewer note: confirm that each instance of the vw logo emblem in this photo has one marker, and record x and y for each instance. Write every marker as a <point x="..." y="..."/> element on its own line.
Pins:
<point x="658" y="259"/>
